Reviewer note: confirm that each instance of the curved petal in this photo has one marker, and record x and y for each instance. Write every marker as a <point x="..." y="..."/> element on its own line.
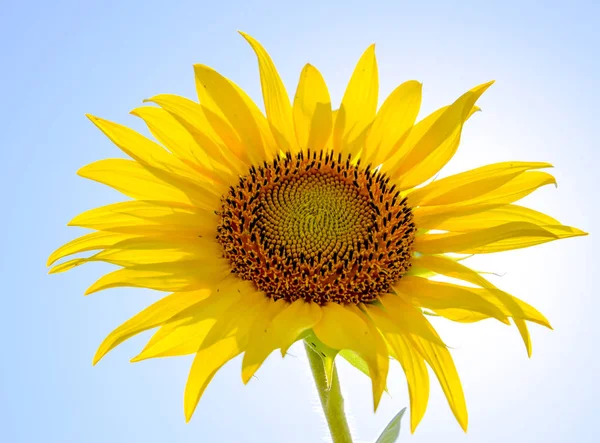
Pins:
<point x="423" y="145"/>
<point x="343" y="327"/>
<point x="395" y="117"/>
<point x="282" y="331"/>
<point x="204" y="367"/>
<point x="185" y="332"/>
<point x="222" y="99"/>
<point x="150" y="250"/>
<point x="135" y="181"/>
<point x="88" y="242"/>
<point x="438" y="295"/>
<point x="509" y="304"/>
<point x="151" y="317"/>
<point x="269" y="143"/>
<point x="474" y="217"/>
<point x="173" y="135"/>
<point x="471" y="184"/>
<point x="168" y="277"/>
<point x="312" y="110"/>
<point x="240" y="316"/>
<point x="517" y="188"/>
<point x="258" y="339"/>
<point x="192" y="117"/>
<point x="146" y="217"/>
<point x="411" y="361"/>
<point x="512" y="235"/>
<point x="435" y="354"/>
<point x="277" y="102"/>
<point x="359" y="104"/>
<point x="143" y="150"/>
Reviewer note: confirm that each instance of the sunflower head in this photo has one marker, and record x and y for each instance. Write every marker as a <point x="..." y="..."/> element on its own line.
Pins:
<point x="307" y="222"/>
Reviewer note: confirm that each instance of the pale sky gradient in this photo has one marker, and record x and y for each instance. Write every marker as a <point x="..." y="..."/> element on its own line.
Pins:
<point x="63" y="59"/>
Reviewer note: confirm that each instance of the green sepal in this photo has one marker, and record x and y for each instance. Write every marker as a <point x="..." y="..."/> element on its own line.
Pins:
<point x="392" y="431"/>
<point x="355" y="360"/>
<point x="326" y="353"/>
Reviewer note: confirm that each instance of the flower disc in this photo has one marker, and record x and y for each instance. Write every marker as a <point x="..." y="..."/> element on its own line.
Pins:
<point x="318" y="228"/>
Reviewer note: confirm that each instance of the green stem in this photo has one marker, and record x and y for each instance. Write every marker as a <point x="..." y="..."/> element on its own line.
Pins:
<point x="331" y="399"/>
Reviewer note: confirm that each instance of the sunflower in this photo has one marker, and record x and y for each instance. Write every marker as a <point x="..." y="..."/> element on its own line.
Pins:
<point x="307" y="224"/>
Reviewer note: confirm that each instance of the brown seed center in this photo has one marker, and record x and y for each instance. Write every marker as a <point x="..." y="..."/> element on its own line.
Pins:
<point x="318" y="228"/>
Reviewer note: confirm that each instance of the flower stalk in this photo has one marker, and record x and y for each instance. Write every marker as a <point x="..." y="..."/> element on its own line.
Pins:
<point x="331" y="398"/>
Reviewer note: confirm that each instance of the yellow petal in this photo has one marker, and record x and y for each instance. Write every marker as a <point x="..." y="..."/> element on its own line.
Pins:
<point x="406" y="314"/>
<point x="222" y="100"/>
<point x="159" y="162"/>
<point x="285" y="328"/>
<point x="191" y="116"/>
<point x="429" y="145"/>
<point x="172" y="277"/>
<point x="144" y="217"/>
<point x="239" y="318"/>
<point x="141" y="149"/>
<point x="471" y="184"/>
<point x="312" y="110"/>
<point x="269" y="143"/>
<point x="401" y="149"/>
<point x="412" y="363"/>
<point x="359" y="103"/>
<point x="512" y="235"/>
<point x="517" y="188"/>
<point x="149" y="250"/>
<point x="88" y="242"/>
<point x="173" y="135"/>
<point x="460" y="315"/>
<point x="441" y="362"/>
<point x="474" y="217"/>
<point x="185" y="332"/>
<point x="277" y="102"/>
<point x="342" y="327"/>
<point x="206" y="364"/>
<point x="135" y="181"/>
<point x="433" y="163"/>
<point x="434" y="353"/>
<point x="151" y="317"/>
<point x="67" y="265"/>
<point x="395" y="117"/>
<point x="258" y="340"/>
<point x="437" y="295"/>
<point x="511" y="306"/>
<point x="293" y="322"/>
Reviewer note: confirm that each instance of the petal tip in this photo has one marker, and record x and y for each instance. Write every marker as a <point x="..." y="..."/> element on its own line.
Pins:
<point x="247" y="376"/>
<point x="97" y="357"/>
<point x="137" y="358"/>
<point x="92" y="289"/>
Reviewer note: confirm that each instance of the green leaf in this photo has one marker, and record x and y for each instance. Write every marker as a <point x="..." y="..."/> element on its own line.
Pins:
<point x="392" y="431"/>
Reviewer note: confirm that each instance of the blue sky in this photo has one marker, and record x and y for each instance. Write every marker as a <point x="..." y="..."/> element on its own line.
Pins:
<point x="63" y="59"/>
